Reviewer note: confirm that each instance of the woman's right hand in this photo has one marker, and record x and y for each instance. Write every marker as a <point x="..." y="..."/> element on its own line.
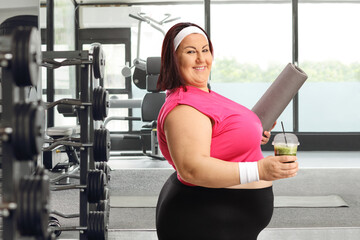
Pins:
<point x="277" y="167"/>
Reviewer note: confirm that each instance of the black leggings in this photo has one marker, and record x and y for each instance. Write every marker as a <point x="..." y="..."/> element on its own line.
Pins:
<point x="198" y="213"/>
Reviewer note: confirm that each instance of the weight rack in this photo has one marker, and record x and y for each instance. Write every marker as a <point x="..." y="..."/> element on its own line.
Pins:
<point x="25" y="191"/>
<point x="91" y="67"/>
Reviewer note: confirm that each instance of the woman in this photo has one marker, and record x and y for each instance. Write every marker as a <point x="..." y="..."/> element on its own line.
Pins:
<point x="222" y="187"/>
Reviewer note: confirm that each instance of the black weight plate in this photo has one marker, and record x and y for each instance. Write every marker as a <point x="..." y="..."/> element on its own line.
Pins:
<point x="105" y="104"/>
<point x="90" y="186"/>
<point x="97" y="98"/>
<point x="37" y="123"/>
<point x="17" y="128"/>
<point x="35" y="210"/>
<point x="17" y="64"/>
<point x="96" y="145"/>
<point x="21" y="203"/>
<point x="91" y="228"/>
<point x="21" y="141"/>
<point x="95" y="102"/>
<point x="100" y="103"/>
<point x="93" y="187"/>
<point x="35" y="56"/>
<point x="26" y="130"/>
<point x="27" y="55"/>
<point x="37" y="206"/>
<point x="108" y="145"/>
<point x="98" y="185"/>
<point x="10" y="24"/>
<point x="98" y="60"/>
<point x="29" y="211"/>
<point x="22" y="218"/>
<point x="42" y="202"/>
<point x="28" y="134"/>
<point x="102" y="183"/>
<point x="103" y="145"/>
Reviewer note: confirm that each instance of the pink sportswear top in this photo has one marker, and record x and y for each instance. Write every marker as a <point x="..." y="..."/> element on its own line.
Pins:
<point x="236" y="132"/>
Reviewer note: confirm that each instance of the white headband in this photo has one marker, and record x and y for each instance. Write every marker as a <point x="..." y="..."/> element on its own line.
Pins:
<point x="185" y="32"/>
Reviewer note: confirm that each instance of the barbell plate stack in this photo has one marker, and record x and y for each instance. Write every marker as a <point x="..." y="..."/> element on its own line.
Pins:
<point x="33" y="213"/>
<point x="101" y="145"/>
<point x="96" y="186"/>
<point x="100" y="103"/>
<point x="97" y="226"/>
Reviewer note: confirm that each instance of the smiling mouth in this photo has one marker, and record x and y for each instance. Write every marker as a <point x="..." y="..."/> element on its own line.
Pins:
<point x="199" y="68"/>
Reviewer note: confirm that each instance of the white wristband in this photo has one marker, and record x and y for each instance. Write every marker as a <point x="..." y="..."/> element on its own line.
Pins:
<point x="248" y="172"/>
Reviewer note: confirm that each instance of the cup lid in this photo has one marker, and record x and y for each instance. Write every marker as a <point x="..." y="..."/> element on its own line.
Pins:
<point x="290" y="138"/>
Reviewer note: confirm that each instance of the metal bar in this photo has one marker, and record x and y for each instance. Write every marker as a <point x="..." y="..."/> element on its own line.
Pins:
<point x="50" y="88"/>
<point x="125" y="103"/>
<point x="8" y="159"/>
<point x="207" y="15"/>
<point x="83" y="55"/>
<point x="295" y="61"/>
<point x="84" y="119"/>
<point x="60" y="214"/>
<point x="77" y="47"/>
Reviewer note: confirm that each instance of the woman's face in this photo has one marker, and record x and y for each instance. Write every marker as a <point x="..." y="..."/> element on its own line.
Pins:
<point x="195" y="60"/>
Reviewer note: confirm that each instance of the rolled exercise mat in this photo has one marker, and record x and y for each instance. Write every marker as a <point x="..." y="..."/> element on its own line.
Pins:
<point x="278" y="95"/>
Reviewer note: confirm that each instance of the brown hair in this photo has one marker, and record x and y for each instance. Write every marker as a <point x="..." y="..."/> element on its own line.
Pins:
<point x="170" y="76"/>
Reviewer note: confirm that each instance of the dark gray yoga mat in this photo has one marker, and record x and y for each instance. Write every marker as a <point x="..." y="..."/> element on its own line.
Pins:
<point x="309" y="201"/>
<point x="329" y="201"/>
<point x="278" y="95"/>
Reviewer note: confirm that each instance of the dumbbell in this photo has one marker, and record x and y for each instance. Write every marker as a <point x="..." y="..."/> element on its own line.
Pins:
<point x="96" y="186"/>
<point x="21" y="52"/>
<point x="97" y="226"/>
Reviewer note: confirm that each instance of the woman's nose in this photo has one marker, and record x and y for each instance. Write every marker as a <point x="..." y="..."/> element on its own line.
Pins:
<point x="200" y="57"/>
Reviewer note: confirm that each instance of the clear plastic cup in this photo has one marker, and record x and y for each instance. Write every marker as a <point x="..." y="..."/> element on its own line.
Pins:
<point x="285" y="144"/>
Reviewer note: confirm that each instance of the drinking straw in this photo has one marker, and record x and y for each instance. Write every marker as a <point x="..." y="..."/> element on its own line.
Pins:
<point x="282" y="125"/>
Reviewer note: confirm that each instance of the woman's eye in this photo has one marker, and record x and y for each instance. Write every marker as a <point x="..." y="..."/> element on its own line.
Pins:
<point x="205" y="50"/>
<point x="191" y="51"/>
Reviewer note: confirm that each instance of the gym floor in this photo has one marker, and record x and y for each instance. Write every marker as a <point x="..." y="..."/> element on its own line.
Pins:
<point x="321" y="173"/>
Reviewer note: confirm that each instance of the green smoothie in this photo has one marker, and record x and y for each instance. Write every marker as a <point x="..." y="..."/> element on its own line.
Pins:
<point x="285" y="149"/>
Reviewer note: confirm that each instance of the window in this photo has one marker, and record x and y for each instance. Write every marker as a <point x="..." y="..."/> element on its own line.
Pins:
<point x="249" y="55"/>
<point x="329" y="53"/>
